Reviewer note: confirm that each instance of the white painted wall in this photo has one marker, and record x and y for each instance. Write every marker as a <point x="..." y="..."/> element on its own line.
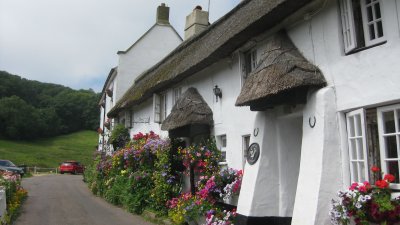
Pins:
<point x="153" y="46"/>
<point x="269" y="186"/>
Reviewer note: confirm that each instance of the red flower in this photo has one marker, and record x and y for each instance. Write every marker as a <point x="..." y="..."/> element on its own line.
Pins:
<point x="375" y="169"/>
<point x="382" y="184"/>
<point x="389" y="177"/>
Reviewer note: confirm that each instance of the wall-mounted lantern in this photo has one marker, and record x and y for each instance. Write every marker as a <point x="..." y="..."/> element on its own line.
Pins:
<point x="109" y="93"/>
<point x="217" y="92"/>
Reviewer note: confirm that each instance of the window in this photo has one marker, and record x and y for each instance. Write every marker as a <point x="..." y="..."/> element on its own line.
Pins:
<point x="221" y="143"/>
<point x="389" y="140"/>
<point x="374" y="139"/>
<point x="128" y="119"/>
<point x="176" y="95"/>
<point x="357" y="146"/>
<point x="245" y="147"/>
<point x="362" y="24"/>
<point x="249" y="63"/>
<point x="159" y="107"/>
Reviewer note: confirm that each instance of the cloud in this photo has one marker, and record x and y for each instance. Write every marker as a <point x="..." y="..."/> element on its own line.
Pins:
<point x="74" y="42"/>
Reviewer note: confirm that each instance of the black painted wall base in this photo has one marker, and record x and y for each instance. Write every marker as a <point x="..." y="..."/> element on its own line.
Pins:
<point x="268" y="220"/>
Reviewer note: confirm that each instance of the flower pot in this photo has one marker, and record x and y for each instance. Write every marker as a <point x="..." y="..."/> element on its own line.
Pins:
<point x="198" y="221"/>
<point x="233" y="200"/>
<point x="201" y="220"/>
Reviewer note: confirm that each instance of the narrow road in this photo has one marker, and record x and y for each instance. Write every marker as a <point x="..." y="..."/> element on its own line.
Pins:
<point x="66" y="200"/>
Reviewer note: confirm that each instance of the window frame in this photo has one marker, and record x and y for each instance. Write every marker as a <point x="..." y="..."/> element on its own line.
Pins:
<point x="349" y="23"/>
<point x="159" y="107"/>
<point x="364" y="5"/>
<point x="357" y="136"/>
<point x="248" y="59"/>
<point x="245" y="148"/>
<point x="176" y="94"/>
<point x="382" y="135"/>
<point x="222" y="147"/>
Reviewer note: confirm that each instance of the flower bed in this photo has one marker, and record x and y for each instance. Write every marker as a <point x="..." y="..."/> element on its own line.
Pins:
<point x="140" y="176"/>
<point x="15" y="195"/>
<point x="366" y="203"/>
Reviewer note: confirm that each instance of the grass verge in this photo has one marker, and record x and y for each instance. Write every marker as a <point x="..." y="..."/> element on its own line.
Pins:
<point x="48" y="153"/>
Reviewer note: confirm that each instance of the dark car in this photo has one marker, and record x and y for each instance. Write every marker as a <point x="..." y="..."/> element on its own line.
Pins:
<point x="7" y="165"/>
<point x="72" y="167"/>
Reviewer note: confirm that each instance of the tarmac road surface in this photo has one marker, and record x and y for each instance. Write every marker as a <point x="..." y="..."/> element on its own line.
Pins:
<point x="66" y="200"/>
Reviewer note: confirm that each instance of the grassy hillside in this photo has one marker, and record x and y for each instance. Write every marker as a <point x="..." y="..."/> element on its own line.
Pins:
<point x="50" y="152"/>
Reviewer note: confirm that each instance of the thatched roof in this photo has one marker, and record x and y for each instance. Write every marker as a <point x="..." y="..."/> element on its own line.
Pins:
<point x="247" y="20"/>
<point x="283" y="76"/>
<point x="190" y="109"/>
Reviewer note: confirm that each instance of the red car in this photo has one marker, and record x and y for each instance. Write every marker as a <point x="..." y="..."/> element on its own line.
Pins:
<point x="72" y="167"/>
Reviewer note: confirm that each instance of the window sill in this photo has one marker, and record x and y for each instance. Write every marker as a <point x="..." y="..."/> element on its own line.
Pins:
<point x="364" y="48"/>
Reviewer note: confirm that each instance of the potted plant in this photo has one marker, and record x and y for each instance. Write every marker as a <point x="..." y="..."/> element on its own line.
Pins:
<point x="365" y="203"/>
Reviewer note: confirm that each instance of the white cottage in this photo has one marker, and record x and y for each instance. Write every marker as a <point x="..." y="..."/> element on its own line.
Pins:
<point x="321" y="81"/>
<point x="150" y="48"/>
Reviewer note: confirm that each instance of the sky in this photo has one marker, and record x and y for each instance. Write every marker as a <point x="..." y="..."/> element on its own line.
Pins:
<point x="75" y="42"/>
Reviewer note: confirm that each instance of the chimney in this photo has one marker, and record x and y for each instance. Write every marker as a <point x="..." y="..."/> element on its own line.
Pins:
<point x="162" y="14"/>
<point x="196" y="22"/>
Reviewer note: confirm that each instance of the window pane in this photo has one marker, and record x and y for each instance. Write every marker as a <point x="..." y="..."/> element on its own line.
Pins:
<point x="360" y="149"/>
<point x="223" y="156"/>
<point x="355" y="171"/>
<point x="393" y="168"/>
<point x="368" y="1"/>
<point x="388" y="122"/>
<point x="353" y="149"/>
<point x="362" y="170"/>
<point x="380" y="28"/>
<point x="371" y="31"/>
<point x="391" y="147"/>
<point x="357" y="119"/>
<point x="398" y="120"/>
<point x="377" y="8"/>
<point x="370" y="17"/>
<point x="351" y="126"/>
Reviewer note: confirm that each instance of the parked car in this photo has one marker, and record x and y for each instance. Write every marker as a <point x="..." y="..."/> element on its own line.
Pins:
<point x="7" y="165"/>
<point x="72" y="167"/>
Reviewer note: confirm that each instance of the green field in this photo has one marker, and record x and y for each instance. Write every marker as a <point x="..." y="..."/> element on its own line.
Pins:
<point x="48" y="153"/>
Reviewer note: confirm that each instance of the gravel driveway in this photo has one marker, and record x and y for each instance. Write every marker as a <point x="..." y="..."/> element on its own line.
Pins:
<point x="66" y="200"/>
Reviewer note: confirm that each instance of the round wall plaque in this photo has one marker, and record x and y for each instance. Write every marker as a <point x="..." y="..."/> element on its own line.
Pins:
<point x="253" y="153"/>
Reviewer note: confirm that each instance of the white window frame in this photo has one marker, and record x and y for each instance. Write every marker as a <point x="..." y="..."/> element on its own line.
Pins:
<point x="359" y="135"/>
<point x="222" y="147"/>
<point x="348" y="30"/>
<point x="252" y="53"/>
<point x="177" y="92"/>
<point x="128" y="119"/>
<point x="159" y="107"/>
<point x="382" y="135"/>
<point x="349" y="26"/>
<point x="245" y="147"/>
<point x="364" y="5"/>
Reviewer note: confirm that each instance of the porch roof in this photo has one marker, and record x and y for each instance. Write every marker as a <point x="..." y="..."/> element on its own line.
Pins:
<point x="190" y="109"/>
<point x="283" y="76"/>
<point x="248" y="19"/>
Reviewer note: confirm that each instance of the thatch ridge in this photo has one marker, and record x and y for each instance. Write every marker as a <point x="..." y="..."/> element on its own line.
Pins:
<point x="282" y="68"/>
<point x="190" y="109"/>
<point x="247" y="20"/>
